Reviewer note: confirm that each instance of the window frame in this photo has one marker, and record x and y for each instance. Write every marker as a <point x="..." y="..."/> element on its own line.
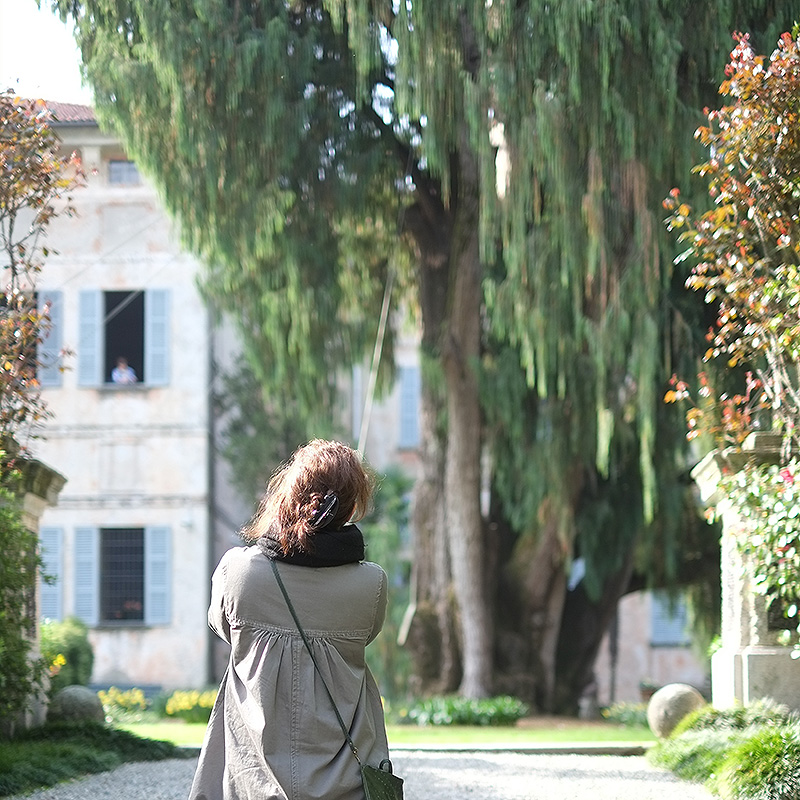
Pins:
<point x="129" y="174"/>
<point x="157" y="577"/>
<point x="668" y="621"/>
<point x="92" y="339"/>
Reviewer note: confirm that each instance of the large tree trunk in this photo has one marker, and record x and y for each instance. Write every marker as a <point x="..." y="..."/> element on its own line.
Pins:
<point x="448" y="561"/>
<point x="543" y="586"/>
<point x="461" y="354"/>
<point x="432" y="634"/>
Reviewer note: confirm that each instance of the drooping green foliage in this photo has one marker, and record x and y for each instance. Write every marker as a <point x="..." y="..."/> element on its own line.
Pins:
<point x="578" y="112"/>
<point x="243" y="115"/>
<point x="289" y="143"/>
<point x="585" y="295"/>
<point x="585" y="102"/>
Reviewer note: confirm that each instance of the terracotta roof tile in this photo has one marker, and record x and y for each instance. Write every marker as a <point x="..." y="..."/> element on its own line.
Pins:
<point x="63" y="113"/>
<point x="70" y="113"/>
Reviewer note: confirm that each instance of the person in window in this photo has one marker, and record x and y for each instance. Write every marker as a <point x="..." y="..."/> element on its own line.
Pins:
<point x="123" y="373"/>
<point x="273" y="733"/>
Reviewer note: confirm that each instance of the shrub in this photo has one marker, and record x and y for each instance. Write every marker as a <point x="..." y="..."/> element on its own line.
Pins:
<point x="123" y="705"/>
<point x="765" y="766"/>
<point x="66" y="648"/>
<point x="695" y="755"/>
<point x="764" y="712"/>
<point x="191" y="706"/>
<point x="450" y="710"/>
<point x="746" y="752"/>
<point x="631" y="715"/>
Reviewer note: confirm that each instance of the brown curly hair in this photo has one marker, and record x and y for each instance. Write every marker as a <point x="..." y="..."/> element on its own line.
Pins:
<point x="296" y="493"/>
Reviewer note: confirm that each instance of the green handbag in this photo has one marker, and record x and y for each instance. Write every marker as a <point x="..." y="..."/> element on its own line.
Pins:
<point x="380" y="783"/>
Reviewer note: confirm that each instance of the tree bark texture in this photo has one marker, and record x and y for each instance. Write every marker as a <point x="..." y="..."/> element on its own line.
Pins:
<point x="449" y="565"/>
<point x="461" y="354"/>
<point x="433" y="638"/>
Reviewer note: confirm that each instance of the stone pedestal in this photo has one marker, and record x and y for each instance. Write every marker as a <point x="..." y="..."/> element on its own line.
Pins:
<point x="750" y="664"/>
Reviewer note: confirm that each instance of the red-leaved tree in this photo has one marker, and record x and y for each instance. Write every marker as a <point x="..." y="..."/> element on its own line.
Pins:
<point x="34" y="181"/>
<point x="747" y="262"/>
<point x="747" y="247"/>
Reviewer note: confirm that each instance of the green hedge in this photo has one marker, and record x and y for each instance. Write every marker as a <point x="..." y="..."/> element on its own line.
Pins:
<point x="451" y="710"/>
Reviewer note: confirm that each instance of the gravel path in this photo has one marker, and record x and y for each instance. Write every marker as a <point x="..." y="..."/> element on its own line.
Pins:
<point x="429" y="776"/>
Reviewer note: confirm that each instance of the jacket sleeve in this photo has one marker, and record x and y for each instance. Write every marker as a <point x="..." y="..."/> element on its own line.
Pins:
<point x="380" y="607"/>
<point x="217" y="616"/>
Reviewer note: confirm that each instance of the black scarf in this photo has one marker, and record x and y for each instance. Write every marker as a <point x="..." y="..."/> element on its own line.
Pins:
<point x="331" y="548"/>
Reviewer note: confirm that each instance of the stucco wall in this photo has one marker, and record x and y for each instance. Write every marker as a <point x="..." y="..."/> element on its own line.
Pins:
<point x="639" y="660"/>
<point x="134" y="456"/>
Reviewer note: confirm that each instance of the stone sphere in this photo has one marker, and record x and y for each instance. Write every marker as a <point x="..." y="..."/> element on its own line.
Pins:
<point x="75" y="704"/>
<point x="669" y="705"/>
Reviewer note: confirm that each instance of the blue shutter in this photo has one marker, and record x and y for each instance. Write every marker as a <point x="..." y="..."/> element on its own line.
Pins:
<point x="409" y="407"/>
<point x="90" y="338"/>
<point x="50" y="348"/>
<point x="156" y="337"/>
<point x="157" y="576"/>
<point x="87" y="575"/>
<point x="51" y="541"/>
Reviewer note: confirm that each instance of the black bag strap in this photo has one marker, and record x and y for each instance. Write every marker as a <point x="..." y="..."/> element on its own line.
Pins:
<point x="313" y="659"/>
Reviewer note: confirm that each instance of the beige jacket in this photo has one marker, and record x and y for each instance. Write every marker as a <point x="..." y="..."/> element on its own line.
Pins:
<point x="273" y="734"/>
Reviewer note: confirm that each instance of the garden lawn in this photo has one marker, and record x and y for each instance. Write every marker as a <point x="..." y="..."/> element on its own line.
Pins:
<point x="549" y="729"/>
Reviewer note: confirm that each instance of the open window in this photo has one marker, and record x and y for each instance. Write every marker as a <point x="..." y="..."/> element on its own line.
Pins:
<point x="132" y="325"/>
<point x="123" y="335"/>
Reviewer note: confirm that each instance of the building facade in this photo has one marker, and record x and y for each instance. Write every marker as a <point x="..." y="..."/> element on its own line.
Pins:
<point x="129" y="541"/>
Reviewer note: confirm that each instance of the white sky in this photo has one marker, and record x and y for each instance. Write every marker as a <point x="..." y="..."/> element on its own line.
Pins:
<point x="38" y="55"/>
